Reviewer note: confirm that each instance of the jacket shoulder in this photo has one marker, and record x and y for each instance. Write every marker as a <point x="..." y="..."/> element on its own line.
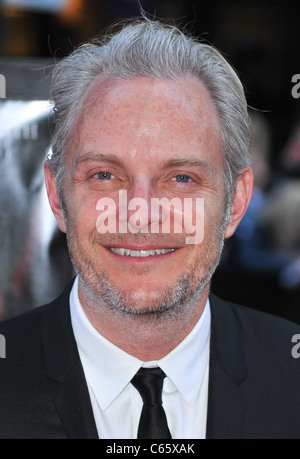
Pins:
<point x="263" y="337"/>
<point x="24" y="329"/>
<point x="251" y="321"/>
<point x="23" y="334"/>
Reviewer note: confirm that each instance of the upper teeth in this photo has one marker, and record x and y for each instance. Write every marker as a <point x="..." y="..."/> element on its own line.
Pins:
<point x="140" y="253"/>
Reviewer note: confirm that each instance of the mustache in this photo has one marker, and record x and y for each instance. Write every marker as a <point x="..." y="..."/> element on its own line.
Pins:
<point x="173" y="240"/>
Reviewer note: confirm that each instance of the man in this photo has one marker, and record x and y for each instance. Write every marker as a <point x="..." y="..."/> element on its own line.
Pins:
<point x="148" y="117"/>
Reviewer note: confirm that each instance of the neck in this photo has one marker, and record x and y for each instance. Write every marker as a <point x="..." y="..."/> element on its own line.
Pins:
<point x="149" y="336"/>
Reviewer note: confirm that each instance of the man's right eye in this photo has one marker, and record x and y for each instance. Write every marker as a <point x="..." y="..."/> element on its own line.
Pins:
<point x="104" y="175"/>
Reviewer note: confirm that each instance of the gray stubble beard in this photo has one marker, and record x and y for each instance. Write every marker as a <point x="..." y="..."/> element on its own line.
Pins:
<point x="175" y="303"/>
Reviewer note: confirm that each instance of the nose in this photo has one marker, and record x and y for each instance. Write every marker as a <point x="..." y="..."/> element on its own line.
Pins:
<point x="141" y="188"/>
<point x="144" y="209"/>
<point x="139" y="205"/>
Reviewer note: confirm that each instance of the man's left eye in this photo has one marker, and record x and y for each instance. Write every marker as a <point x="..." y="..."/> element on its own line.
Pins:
<point x="182" y="178"/>
<point x="104" y="175"/>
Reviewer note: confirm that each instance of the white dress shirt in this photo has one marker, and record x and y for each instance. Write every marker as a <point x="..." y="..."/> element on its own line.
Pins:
<point x="117" y="404"/>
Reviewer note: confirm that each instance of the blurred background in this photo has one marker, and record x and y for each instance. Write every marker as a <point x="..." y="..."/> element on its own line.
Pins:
<point x="260" y="266"/>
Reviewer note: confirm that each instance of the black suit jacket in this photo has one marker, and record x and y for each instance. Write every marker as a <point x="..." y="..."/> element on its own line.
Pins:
<point x="254" y="382"/>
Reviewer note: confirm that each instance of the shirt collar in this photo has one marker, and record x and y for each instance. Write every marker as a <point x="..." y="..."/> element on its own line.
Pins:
<point x="109" y="369"/>
<point x="186" y="364"/>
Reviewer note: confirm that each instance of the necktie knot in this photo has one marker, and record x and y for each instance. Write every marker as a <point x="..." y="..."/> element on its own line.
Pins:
<point x="149" y="383"/>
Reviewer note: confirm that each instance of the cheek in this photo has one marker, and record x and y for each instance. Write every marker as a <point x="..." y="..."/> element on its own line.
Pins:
<point x="213" y="218"/>
<point x="82" y="216"/>
<point x="194" y="220"/>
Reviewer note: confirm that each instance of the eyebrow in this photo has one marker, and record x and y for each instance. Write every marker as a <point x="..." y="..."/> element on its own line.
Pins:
<point x="94" y="157"/>
<point x="173" y="162"/>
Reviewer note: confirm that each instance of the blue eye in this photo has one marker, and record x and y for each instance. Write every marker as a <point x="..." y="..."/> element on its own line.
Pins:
<point x="182" y="178"/>
<point x="104" y="175"/>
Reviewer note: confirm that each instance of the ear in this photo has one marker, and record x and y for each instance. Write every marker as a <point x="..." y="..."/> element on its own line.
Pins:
<point x="51" y="187"/>
<point x="241" y="200"/>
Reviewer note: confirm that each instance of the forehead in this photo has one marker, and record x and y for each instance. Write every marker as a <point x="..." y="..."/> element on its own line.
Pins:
<point x="188" y="96"/>
<point x="146" y="114"/>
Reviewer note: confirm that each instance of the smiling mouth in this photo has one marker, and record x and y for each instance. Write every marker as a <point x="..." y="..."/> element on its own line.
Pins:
<point x="139" y="253"/>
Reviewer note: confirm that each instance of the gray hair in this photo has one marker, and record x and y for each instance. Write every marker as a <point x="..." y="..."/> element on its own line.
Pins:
<point x="149" y="48"/>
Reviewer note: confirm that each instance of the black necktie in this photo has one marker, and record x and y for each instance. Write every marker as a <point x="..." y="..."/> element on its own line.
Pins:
<point x="153" y="422"/>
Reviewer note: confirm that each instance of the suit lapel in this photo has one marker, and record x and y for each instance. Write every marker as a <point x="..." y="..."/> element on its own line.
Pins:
<point x="74" y="407"/>
<point x="228" y="374"/>
<point x="64" y="368"/>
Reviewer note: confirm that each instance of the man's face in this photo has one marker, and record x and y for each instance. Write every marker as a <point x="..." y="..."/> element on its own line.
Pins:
<point x="153" y="139"/>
